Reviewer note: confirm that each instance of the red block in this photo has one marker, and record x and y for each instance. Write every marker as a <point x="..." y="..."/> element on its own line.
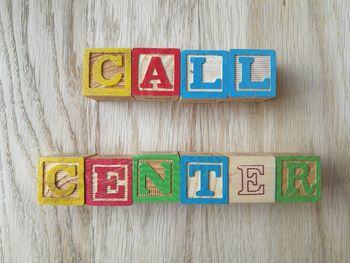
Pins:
<point x="155" y="73"/>
<point x="108" y="181"/>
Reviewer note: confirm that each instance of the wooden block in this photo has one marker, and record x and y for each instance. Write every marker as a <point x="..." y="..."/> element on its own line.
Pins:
<point x="156" y="74"/>
<point x="61" y="180"/>
<point x="252" y="178"/>
<point x="156" y="177"/>
<point x="107" y="73"/>
<point x="108" y="181"/>
<point x="204" y="76"/>
<point x="298" y="178"/>
<point x="204" y="179"/>
<point x="252" y="75"/>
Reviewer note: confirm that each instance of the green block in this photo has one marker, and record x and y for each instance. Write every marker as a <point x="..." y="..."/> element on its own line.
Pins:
<point x="156" y="178"/>
<point x="298" y="179"/>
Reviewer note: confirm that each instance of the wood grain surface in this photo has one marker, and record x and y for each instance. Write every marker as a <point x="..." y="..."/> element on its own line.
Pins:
<point x="42" y="112"/>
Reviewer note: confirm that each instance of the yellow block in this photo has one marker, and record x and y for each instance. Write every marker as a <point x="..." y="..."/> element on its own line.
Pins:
<point x="107" y="73"/>
<point x="61" y="180"/>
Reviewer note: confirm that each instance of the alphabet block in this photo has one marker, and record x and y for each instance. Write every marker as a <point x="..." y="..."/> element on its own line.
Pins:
<point x="204" y="179"/>
<point x="298" y="179"/>
<point x="156" y="177"/>
<point x="204" y="75"/>
<point x="61" y="180"/>
<point x="252" y="178"/>
<point x="156" y="73"/>
<point x="108" y="181"/>
<point x="252" y="74"/>
<point x="107" y="73"/>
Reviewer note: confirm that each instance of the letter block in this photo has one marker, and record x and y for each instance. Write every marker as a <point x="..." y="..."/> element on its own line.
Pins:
<point x="61" y="180"/>
<point x="204" y="179"/>
<point x="108" y="181"/>
<point x="252" y="74"/>
<point x="107" y="73"/>
<point x="252" y="178"/>
<point x="298" y="179"/>
<point x="156" y="73"/>
<point x="156" y="177"/>
<point x="204" y="75"/>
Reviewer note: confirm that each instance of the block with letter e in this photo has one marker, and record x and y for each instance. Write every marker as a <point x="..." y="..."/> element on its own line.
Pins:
<point x="107" y="73"/>
<point x="298" y="178"/>
<point x="156" y="177"/>
<point x="204" y="179"/>
<point x="156" y="73"/>
<point x="252" y="74"/>
<point x="252" y="178"/>
<point x="61" y="180"/>
<point x="108" y="181"/>
<point x="204" y="75"/>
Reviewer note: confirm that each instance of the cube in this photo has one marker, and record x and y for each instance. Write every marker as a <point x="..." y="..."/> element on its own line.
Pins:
<point x="107" y="73"/>
<point x="298" y="178"/>
<point x="252" y="178"/>
<point x="252" y="74"/>
<point x="61" y="180"/>
<point x="156" y="74"/>
<point x="156" y="177"/>
<point x="108" y="181"/>
<point x="204" y="75"/>
<point x="204" y="179"/>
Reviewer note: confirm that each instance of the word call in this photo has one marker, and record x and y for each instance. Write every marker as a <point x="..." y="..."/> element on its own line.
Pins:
<point x="171" y="177"/>
<point x="185" y="76"/>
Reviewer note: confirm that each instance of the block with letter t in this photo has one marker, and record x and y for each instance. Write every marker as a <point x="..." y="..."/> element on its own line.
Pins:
<point x="252" y="74"/>
<point x="204" y="179"/>
<point x="298" y="178"/>
<point x="156" y="177"/>
<point x="108" y="181"/>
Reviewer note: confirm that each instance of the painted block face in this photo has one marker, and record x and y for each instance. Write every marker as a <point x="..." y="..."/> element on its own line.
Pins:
<point x="204" y="75"/>
<point x="156" y="73"/>
<point x="107" y="73"/>
<point x="252" y="179"/>
<point x="252" y="74"/>
<point x="204" y="179"/>
<point x="298" y="179"/>
<point x="108" y="181"/>
<point x="61" y="181"/>
<point x="156" y="178"/>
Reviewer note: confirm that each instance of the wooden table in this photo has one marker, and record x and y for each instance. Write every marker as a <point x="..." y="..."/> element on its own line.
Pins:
<point x="42" y="112"/>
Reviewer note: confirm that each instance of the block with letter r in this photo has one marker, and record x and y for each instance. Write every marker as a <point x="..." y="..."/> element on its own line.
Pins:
<point x="204" y="75"/>
<point x="156" y="177"/>
<point x="252" y="74"/>
<point x="204" y="179"/>
<point x="298" y="179"/>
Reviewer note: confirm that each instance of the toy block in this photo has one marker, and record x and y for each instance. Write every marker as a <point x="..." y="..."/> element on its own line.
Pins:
<point x="156" y="73"/>
<point x="156" y="177"/>
<point x="61" y="180"/>
<point x="204" y="179"/>
<point x="252" y="178"/>
<point x="108" y="181"/>
<point x="298" y="178"/>
<point x="107" y="73"/>
<point x="204" y="76"/>
<point x="252" y="74"/>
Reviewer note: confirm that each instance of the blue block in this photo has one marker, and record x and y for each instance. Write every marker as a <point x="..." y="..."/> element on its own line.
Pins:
<point x="203" y="164"/>
<point x="246" y="87"/>
<point x="199" y="89"/>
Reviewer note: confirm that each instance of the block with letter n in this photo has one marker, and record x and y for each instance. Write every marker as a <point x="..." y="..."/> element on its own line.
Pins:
<point x="252" y="74"/>
<point x="204" y="179"/>
<point x="108" y="181"/>
<point x="61" y="180"/>
<point x="298" y="178"/>
<point x="156" y="177"/>
<point x="107" y="73"/>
